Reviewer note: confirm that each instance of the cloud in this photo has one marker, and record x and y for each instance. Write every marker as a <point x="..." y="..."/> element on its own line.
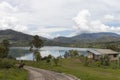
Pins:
<point x="48" y="31"/>
<point x="4" y="6"/>
<point x="109" y="17"/>
<point x="85" y="24"/>
<point x="7" y="18"/>
<point x="21" y="14"/>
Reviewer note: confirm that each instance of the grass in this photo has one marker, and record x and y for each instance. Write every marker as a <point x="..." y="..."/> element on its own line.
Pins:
<point x="13" y="74"/>
<point x="74" y="67"/>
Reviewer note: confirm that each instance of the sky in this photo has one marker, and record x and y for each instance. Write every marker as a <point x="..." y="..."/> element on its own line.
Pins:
<point x="53" y="18"/>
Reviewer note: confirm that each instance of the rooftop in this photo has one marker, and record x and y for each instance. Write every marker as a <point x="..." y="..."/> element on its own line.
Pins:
<point x="102" y="51"/>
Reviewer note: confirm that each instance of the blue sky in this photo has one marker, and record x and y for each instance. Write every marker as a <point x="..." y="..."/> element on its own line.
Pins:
<point x="53" y="18"/>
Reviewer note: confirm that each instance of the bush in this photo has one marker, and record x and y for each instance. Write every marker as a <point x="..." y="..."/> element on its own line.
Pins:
<point x="105" y="61"/>
<point x="6" y="63"/>
<point x="37" y="55"/>
<point x="86" y="63"/>
<point x="56" y="60"/>
<point x="71" y="53"/>
<point x="2" y="52"/>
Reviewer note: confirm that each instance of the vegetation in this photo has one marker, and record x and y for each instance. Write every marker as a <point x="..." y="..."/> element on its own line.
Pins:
<point x="2" y="52"/>
<point x="48" y="58"/>
<point x="103" y="40"/>
<point x="7" y="65"/>
<point x="56" y="60"/>
<point x="75" y="67"/>
<point x="104" y="60"/>
<point x="72" y="63"/>
<point x="37" y="43"/>
<point x="37" y="56"/>
<point x="80" y="66"/>
<point x="71" y="53"/>
<point x="13" y="74"/>
<point x="4" y="49"/>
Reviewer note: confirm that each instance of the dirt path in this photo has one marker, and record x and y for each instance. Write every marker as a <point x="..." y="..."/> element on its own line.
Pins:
<point x="41" y="74"/>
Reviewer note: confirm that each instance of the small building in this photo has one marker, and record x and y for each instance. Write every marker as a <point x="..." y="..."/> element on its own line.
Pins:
<point x="96" y="53"/>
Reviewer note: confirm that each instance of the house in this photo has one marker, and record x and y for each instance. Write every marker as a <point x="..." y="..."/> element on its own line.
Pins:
<point x="96" y="53"/>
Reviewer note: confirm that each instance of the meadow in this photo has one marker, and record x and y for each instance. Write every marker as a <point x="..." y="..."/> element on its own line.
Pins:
<point x="75" y="67"/>
<point x="8" y="70"/>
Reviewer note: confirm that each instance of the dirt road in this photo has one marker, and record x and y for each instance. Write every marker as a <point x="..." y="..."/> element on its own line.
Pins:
<point x="41" y="74"/>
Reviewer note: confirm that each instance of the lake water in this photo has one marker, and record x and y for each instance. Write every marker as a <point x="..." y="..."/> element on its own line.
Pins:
<point x="23" y="53"/>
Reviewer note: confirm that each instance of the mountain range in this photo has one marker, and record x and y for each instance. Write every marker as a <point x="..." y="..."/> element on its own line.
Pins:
<point x="21" y="39"/>
<point x="90" y="37"/>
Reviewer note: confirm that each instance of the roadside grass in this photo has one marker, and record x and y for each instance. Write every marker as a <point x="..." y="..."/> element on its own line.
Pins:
<point x="74" y="67"/>
<point x="11" y="73"/>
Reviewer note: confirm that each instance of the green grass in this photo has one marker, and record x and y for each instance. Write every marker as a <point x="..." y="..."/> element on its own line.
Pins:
<point x="13" y="74"/>
<point x="74" y="67"/>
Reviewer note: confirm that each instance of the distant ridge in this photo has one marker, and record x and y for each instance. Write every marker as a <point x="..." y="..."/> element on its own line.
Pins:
<point x="22" y="39"/>
<point x="15" y="37"/>
<point x="90" y="37"/>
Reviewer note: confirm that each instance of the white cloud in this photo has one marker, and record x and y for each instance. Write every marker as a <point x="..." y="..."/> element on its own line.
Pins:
<point x="7" y="18"/>
<point x="18" y="14"/>
<point x="46" y="31"/>
<point x="84" y="24"/>
<point x="109" y="17"/>
<point x="4" y="6"/>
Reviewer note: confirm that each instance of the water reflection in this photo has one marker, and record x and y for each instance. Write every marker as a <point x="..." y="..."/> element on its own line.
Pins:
<point x="23" y="53"/>
<point x="18" y="52"/>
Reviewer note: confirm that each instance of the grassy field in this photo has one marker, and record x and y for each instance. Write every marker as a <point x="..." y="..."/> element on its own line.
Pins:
<point x="8" y="70"/>
<point x="74" y="67"/>
<point x="13" y="74"/>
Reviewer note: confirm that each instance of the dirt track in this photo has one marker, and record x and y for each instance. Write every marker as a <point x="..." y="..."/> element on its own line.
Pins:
<point x="41" y="74"/>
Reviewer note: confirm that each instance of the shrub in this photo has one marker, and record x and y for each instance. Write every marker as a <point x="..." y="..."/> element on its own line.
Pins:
<point x="104" y="59"/>
<point x="37" y="55"/>
<point x="71" y="53"/>
<point x="56" y="60"/>
<point x="86" y="63"/>
<point x="6" y="63"/>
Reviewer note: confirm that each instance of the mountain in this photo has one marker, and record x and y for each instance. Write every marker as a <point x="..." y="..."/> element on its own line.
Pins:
<point x="96" y="35"/>
<point x="14" y="35"/>
<point x="90" y="40"/>
<point x="21" y="39"/>
<point x="90" y="37"/>
<point x="16" y="38"/>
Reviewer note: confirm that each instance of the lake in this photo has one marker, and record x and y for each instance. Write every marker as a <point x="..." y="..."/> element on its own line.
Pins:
<point x="23" y="53"/>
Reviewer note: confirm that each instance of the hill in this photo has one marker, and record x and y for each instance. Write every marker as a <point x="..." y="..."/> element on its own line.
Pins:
<point x="14" y="35"/>
<point x="90" y="37"/>
<point x="82" y="40"/>
<point x="91" y="40"/>
<point x="16" y="38"/>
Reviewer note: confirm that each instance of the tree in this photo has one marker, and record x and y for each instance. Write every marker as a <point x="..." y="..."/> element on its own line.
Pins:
<point x="48" y="58"/>
<point x="4" y="49"/>
<point x="74" y="53"/>
<point x="104" y="60"/>
<point x="71" y="53"/>
<point x="37" y="43"/>
<point x="2" y="52"/>
<point x="6" y="44"/>
<point x="86" y="61"/>
<point x="66" y="55"/>
<point x="37" y="55"/>
<point x="56" y="60"/>
<point x="113" y="47"/>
